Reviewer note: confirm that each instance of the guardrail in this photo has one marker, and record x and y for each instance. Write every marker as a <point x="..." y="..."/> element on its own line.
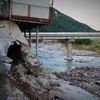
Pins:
<point x="65" y="35"/>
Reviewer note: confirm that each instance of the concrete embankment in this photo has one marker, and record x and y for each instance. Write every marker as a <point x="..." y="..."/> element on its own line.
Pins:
<point x="26" y="79"/>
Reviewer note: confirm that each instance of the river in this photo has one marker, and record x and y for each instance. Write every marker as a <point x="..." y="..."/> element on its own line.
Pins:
<point x="52" y="57"/>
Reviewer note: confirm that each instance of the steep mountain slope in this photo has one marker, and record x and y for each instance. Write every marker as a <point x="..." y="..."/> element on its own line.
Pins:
<point x="64" y="23"/>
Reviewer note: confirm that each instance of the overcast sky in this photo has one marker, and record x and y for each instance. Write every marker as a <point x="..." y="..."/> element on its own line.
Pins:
<point x="85" y="11"/>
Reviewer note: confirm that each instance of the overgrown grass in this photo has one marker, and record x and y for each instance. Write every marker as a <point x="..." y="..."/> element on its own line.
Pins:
<point x="83" y="41"/>
<point x="94" y="46"/>
<point x="1" y="71"/>
<point x="85" y="44"/>
<point x="1" y="37"/>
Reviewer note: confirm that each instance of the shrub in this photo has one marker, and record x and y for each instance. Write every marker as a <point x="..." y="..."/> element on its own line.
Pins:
<point x="83" y="41"/>
<point x="61" y="40"/>
<point x="1" y="71"/>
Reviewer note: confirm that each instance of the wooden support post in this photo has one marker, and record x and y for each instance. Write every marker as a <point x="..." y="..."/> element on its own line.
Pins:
<point x="29" y="37"/>
<point x="25" y="33"/>
<point x="37" y="30"/>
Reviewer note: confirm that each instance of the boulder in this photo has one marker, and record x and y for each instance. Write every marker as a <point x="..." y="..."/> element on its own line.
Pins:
<point x="6" y="59"/>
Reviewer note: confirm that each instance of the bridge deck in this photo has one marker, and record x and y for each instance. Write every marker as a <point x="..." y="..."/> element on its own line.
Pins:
<point x="66" y="35"/>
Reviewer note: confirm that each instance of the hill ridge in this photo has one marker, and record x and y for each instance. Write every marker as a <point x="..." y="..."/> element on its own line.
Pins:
<point x="64" y="23"/>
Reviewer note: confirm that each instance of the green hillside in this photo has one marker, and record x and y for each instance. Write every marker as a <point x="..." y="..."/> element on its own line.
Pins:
<point x="64" y="23"/>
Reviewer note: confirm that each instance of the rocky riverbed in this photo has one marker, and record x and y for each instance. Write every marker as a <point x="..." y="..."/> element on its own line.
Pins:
<point x="58" y="46"/>
<point x="28" y="80"/>
<point x="87" y="78"/>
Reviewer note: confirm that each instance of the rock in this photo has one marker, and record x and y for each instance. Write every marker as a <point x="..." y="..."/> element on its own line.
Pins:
<point x="14" y="93"/>
<point x="10" y="98"/>
<point x="6" y="66"/>
<point x="20" y="95"/>
<point x="5" y="62"/>
<point x="42" y="81"/>
<point x="84" y="77"/>
<point x="28" y="56"/>
<point x="3" y="93"/>
<point x="21" y="69"/>
<point x="97" y="93"/>
<point x="57" y="95"/>
<point x="52" y="76"/>
<point x="6" y="59"/>
<point x="28" y="80"/>
<point x="97" y="82"/>
<point x="80" y="60"/>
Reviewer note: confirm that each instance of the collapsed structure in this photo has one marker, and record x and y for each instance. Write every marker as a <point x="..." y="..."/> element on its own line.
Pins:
<point x="17" y="16"/>
<point x="26" y="78"/>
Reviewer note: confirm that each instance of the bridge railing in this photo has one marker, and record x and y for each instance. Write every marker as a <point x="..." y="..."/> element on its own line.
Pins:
<point x="65" y="35"/>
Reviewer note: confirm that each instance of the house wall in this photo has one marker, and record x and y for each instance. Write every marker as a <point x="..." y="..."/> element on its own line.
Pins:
<point x="31" y="8"/>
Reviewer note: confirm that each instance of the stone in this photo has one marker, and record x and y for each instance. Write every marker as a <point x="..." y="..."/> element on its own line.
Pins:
<point x="80" y="60"/>
<point x="21" y="69"/>
<point x="20" y="95"/>
<point x="6" y="66"/>
<point x="57" y="95"/>
<point x="10" y="98"/>
<point x="32" y="82"/>
<point x="97" y="82"/>
<point x="42" y="81"/>
<point x="52" y="76"/>
<point x="6" y="59"/>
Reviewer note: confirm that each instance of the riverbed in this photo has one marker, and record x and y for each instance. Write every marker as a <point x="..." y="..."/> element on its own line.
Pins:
<point x="83" y="71"/>
<point x="52" y="57"/>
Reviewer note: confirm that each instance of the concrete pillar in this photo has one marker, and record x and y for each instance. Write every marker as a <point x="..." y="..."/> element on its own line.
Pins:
<point x="69" y="49"/>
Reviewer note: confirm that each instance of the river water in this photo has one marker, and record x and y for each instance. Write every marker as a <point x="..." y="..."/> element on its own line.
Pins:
<point x="52" y="57"/>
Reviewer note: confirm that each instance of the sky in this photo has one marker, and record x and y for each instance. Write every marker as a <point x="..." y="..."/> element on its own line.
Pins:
<point x="84" y="11"/>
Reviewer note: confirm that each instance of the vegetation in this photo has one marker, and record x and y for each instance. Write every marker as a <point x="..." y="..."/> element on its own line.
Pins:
<point x="93" y="46"/>
<point x="0" y="36"/>
<point x="85" y="44"/>
<point x="1" y="71"/>
<point x="62" y="41"/>
<point x="64" y="23"/>
<point x="78" y="41"/>
<point x="83" y="41"/>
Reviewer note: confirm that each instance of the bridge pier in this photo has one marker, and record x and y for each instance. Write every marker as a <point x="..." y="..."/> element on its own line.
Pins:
<point x="69" y="49"/>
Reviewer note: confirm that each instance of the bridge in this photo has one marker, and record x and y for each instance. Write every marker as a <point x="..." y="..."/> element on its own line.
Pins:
<point x="69" y="36"/>
<point x="65" y="35"/>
